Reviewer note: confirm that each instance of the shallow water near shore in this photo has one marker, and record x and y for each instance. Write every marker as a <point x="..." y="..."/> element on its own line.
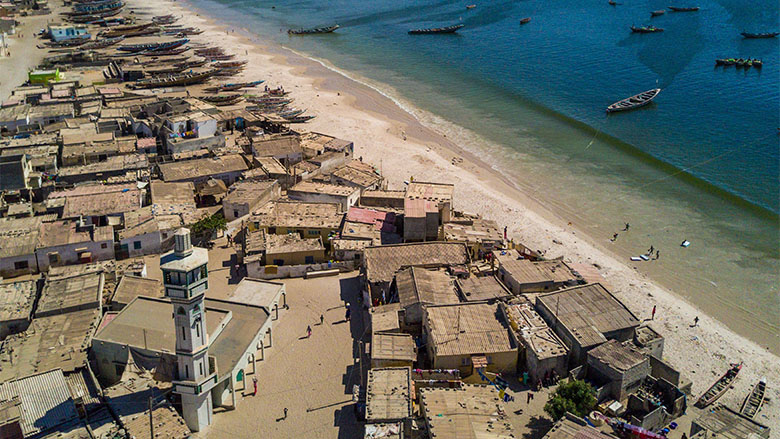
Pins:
<point x="699" y="164"/>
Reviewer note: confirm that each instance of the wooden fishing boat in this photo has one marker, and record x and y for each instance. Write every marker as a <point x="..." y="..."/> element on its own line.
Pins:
<point x="525" y="20"/>
<point x="657" y="13"/>
<point x="646" y="29"/>
<point x="277" y="92"/>
<point x="101" y="44"/>
<point x="757" y="63"/>
<point x="192" y="64"/>
<point x="164" y="19"/>
<point x="171" y="52"/>
<point x="760" y="35"/>
<point x="754" y="400"/>
<point x="225" y="57"/>
<point x="725" y="62"/>
<point x="290" y="113"/>
<point x="174" y="80"/>
<point x="471" y="6"/>
<point x="436" y="30"/>
<point x="228" y="64"/>
<point x="679" y="9"/>
<point x="209" y="51"/>
<point x="220" y="100"/>
<point x="298" y="119"/>
<point x="316" y="30"/>
<point x="234" y="86"/>
<point x="635" y="101"/>
<point x="720" y="387"/>
<point x="124" y="30"/>
<point x="153" y="47"/>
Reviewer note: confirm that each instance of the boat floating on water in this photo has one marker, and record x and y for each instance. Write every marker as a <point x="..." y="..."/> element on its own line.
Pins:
<point x="316" y="30"/>
<point x="754" y="400"/>
<point x="471" y="6"/>
<point x="646" y="29"/>
<point x="739" y="62"/>
<point x="720" y="387"/>
<point x="657" y="13"/>
<point x="679" y="9"/>
<point x="635" y="101"/>
<point x="437" y="30"/>
<point x="760" y="35"/>
<point x="525" y="20"/>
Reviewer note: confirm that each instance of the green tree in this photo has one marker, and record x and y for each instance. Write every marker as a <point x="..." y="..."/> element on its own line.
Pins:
<point x="575" y="396"/>
<point x="209" y="223"/>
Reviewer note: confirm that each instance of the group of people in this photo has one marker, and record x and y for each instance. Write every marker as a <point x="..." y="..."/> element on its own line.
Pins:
<point x="650" y="251"/>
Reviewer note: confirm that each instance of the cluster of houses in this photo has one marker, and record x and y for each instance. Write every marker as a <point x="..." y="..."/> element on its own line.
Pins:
<point x="95" y="176"/>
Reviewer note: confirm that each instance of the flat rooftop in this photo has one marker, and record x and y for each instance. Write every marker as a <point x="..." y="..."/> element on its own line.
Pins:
<point x="396" y="347"/>
<point x="525" y="271"/>
<point x="617" y="356"/>
<point x="466" y="329"/>
<point x="385" y="318"/>
<point x="65" y="294"/>
<point x="431" y="287"/>
<point x="583" y="309"/>
<point x="313" y="187"/>
<point x="388" y="394"/>
<point x="437" y="192"/>
<point x="248" y="191"/>
<point x="298" y="214"/>
<point x="18" y="236"/>
<point x="382" y="262"/>
<point x="476" y="231"/>
<point x="479" y="288"/>
<point x="131" y="287"/>
<point x="257" y="292"/>
<point x="570" y="427"/>
<point x="472" y="411"/>
<point x="291" y="243"/>
<point x="16" y="300"/>
<point x="724" y="423"/>
<point x="199" y="168"/>
<point x="172" y="193"/>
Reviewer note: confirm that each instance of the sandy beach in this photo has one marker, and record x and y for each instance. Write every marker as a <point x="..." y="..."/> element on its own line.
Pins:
<point x="402" y="147"/>
<point x="24" y="55"/>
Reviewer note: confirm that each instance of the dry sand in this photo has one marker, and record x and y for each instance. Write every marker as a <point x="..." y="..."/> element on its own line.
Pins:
<point x="391" y="138"/>
<point x="24" y="55"/>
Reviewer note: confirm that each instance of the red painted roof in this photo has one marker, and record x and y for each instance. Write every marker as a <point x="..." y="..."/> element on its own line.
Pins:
<point x="384" y="221"/>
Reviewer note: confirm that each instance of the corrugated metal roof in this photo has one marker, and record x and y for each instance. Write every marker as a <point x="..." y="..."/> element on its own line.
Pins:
<point x="467" y="329"/>
<point x="45" y="400"/>
<point x="382" y="262"/>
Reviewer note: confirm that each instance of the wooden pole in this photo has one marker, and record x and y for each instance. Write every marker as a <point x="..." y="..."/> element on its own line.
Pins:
<point x="151" y="419"/>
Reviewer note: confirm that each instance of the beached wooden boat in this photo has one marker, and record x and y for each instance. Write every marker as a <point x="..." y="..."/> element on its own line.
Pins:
<point x="720" y="387"/>
<point x="219" y="100"/>
<point x="191" y="64"/>
<point x="754" y="400"/>
<point x="124" y="30"/>
<point x="436" y="30"/>
<point x="170" y="52"/>
<point x="316" y="30"/>
<point x="277" y="92"/>
<point x="101" y="44"/>
<point x="525" y="20"/>
<point x="227" y="64"/>
<point x="645" y="29"/>
<point x="153" y="47"/>
<point x="290" y="113"/>
<point x="298" y="119"/>
<point x="657" y="13"/>
<point x="635" y="101"/>
<point x="760" y="35"/>
<point x="679" y="9"/>
<point x="234" y="86"/>
<point x="164" y="19"/>
<point x="175" y="80"/>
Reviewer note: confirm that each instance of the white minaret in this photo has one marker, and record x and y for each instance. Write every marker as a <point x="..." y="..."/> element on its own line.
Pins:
<point x="185" y="276"/>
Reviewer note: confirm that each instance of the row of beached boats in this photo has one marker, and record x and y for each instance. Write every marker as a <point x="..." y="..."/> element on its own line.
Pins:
<point x="752" y="403"/>
<point x="739" y="62"/>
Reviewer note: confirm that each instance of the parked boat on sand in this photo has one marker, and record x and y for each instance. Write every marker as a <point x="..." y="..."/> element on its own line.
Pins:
<point x="720" y="387"/>
<point x="754" y="400"/>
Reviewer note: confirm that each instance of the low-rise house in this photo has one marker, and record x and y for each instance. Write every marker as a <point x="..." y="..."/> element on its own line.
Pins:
<point x="310" y="220"/>
<point x="18" y="241"/>
<point x="541" y="353"/>
<point x="358" y="174"/>
<point x="63" y="32"/>
<point x="585" y="317"/>
<point x="618" y="368"/>
<point x="131" y="167"/>
<point x="284" y="148"/>
<point x="145" y="233"/>
<point x="481" y="236"/>
<point x="167" y="195"/>
<point x="71" y="293"/>
<point x="316" y="192"/>
<point x="226" y="168"/>
<point x="268" y="294"/>
<point x="262" y="249"/>
<point x="349" y="249"/>
<point x="392" y="350"/>
<point x="100" y="204"/>
<point x="426" y="207"/>
<point x="371" y="225"/>
<point x="16" y="173"/>
<point x="245" y="196"/>
<point x="381" y="263"/>
<point x="468" y="337"/>
<point x="16" y="306"/>
<point x="328" y="162"/>
<point x="383" y="199"/>
<point x="191" y="132"/>
<point x="523" y="276"/>
<point x="385" y="318"/>
<point x="130" y="287"/>
<point x="389" y="395"/>
<point x="464" y="413"/>
<point x="573" y="427"/>
<point x="48" y="114"/>
<point x="417" y="288"/>
<point x="67" y="243"/>
<point x="13" y="117"/>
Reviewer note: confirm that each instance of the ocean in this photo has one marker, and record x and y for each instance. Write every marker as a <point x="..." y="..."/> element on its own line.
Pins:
<point x="701" y="163"/>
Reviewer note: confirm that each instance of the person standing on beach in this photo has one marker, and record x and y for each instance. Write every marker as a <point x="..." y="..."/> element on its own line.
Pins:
<point x="652" y="315"/>
<point x="285" y="413"/>
<point x="614" y="237"/>
<point x="696" y="321"/>
<point x="308" y="332"/>
<point x="626" y="228"/>
<point x="254" y="381"/>
<point x="657" y="254"/>
<point x="322" y="319"/>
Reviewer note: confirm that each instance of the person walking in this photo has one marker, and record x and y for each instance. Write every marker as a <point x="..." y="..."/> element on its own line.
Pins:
<point x="285" y="413"/>
<point x="308" y="331"/>
<point x="657" y="254"/>
<point x="652" y="315"/>
<point x="626" y="228"/>
<point x="348" y="313"/>
<point x="322" y="319"/>
<point x="254" y="382"/>
<point x="696" y="321"/>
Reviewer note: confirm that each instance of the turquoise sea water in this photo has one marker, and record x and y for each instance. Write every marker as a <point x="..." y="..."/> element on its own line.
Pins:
<point x="701" y="163"/>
